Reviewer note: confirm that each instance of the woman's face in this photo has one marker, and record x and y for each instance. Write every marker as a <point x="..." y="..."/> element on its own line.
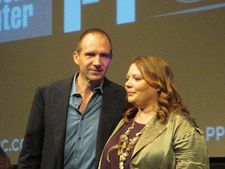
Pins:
<point x="139" y="92"/>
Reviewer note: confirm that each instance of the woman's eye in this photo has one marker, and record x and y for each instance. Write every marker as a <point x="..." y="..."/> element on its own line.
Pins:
<point x="137" y="78"/>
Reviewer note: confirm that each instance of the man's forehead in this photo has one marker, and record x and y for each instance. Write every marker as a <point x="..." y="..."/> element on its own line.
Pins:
<point x="93" y="35"/>
<point x="92" y="39"/>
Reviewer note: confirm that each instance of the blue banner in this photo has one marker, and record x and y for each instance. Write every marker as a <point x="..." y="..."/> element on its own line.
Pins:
<point x="23" y="19"/>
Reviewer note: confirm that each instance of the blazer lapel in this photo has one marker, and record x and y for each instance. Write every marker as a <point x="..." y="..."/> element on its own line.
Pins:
<point x="121" y="123"/>
<point x="60" y="101"/>
<point x="154" y="130"/>
<point x="109" y="116"/>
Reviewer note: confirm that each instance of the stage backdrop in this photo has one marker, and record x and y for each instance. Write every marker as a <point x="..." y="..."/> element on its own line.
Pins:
<point x="37" y="39"/>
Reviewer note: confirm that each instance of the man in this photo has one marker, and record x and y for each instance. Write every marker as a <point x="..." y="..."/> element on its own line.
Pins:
<point x="4" y="160"/>
<point x="70" y="120"/>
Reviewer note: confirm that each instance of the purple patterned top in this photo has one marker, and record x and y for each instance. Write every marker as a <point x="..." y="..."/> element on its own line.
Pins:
<point x="112" y="155"/>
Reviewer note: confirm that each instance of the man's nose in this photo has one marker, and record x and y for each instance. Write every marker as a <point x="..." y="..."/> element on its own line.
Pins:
<point x="97" y="60"/>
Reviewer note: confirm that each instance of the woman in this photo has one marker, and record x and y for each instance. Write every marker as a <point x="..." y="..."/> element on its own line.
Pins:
<point x="157" y="131"/>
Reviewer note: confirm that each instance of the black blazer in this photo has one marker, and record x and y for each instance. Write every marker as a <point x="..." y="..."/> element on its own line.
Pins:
<point x="43" y="145"/>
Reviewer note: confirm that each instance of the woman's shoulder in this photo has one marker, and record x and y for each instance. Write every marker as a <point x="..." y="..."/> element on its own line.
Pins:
<point x="181" y="122"/>
<point x="178" y="116"/>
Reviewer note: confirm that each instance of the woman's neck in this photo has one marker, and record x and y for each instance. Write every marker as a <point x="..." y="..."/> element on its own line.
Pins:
<point x="143" y="116"/>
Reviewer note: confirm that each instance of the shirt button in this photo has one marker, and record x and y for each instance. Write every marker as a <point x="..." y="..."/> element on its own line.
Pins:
<point x="79" y="138"/>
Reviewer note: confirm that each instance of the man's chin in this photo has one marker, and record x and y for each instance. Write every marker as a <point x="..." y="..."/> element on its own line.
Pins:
<point x="96" y="78"/>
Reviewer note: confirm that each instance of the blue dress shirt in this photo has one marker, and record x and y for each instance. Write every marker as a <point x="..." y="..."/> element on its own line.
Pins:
<point x="81" y="130"/>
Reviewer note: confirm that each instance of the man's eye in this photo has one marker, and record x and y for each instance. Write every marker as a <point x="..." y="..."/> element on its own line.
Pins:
<point x="90" y="54"/>
<point x="105" y="55"/>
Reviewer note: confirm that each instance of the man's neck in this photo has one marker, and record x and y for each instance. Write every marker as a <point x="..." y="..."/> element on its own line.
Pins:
<point x="86" y="86"/>
<point x="85" y="89"/>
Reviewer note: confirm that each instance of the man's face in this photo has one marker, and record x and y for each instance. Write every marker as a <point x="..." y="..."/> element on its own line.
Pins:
<point x="94" y="57"/>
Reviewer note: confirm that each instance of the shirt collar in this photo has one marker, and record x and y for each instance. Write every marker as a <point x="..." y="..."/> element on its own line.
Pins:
<point x="98" y="89"/>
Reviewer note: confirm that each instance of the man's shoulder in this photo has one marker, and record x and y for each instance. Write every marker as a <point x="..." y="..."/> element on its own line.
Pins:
<point x="57" y="84"/>
<point x="113" y="87"/>
<point x="111" y="84"/>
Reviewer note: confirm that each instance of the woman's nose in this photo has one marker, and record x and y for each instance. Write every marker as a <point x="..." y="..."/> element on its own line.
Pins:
<point x="128" y="83"/>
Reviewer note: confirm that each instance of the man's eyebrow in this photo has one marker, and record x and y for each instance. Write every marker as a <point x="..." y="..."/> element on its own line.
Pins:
<point x="92" y="53"/>
<point x="100" y="53"/>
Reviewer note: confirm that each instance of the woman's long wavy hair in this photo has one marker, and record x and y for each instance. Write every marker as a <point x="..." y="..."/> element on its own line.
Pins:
<point x="158" y="75"/>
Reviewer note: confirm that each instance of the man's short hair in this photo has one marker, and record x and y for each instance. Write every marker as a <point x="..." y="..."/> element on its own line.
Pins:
<point x="93" y="30"/>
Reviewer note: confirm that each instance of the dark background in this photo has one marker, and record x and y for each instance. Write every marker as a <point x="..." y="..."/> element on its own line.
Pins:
<point x="193" y="44"/>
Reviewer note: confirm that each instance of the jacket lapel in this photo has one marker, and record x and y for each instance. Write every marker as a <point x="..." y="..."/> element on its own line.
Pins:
<point x="121" y="123"/>
<point x="109" y="116"/>
<point x="154" y="130"/>
<point x="59" y="103"/>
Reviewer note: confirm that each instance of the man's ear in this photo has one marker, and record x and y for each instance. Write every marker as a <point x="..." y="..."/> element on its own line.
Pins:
<point x="76" y="57"/>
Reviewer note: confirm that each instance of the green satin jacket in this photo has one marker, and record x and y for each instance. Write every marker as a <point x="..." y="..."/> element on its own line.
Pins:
<point x="178" y="144"/>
